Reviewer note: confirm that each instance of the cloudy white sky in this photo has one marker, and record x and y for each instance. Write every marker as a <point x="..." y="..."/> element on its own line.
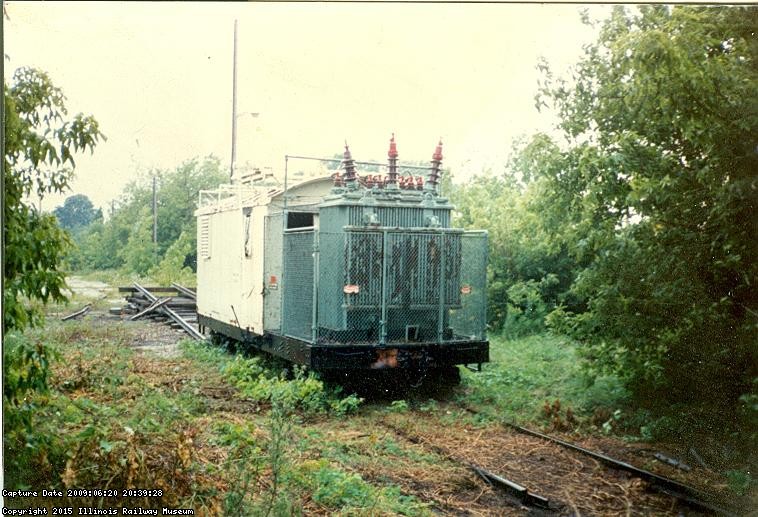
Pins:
<point x="158" y="78"/>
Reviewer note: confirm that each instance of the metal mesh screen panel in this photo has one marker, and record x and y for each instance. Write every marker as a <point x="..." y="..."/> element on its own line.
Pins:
<point x="414" y="265"/>
<point x="331" y="298"/>
<point x="297" y="301"/>
<point x="363" y="264"/>
<point x="468" y="319"/>
<point x="395" y="286"/>
<point x="272" y="271"/>
<point x="350" y="287"/>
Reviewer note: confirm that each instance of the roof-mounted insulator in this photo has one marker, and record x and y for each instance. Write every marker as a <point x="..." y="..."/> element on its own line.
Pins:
<point x="437" y="156"/>
<point x="350" y="173"/>
<point x="392" y="154"/>
<point x="434" y="174"/>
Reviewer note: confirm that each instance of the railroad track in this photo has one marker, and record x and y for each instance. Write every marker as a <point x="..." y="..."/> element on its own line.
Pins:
<point x="517" y="495"/>
<point x="690" y="495"/>
<point x="539" y="501"/>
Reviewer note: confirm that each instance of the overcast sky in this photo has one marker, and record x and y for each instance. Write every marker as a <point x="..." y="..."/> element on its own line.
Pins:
<point x="158" y="78"/>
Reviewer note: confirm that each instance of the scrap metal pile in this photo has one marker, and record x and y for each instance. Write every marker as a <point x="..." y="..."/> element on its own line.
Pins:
<point x="175" y="305"/>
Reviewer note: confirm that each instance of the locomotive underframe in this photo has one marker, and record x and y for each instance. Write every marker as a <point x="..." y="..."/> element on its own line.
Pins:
<point x="362" y="356"/>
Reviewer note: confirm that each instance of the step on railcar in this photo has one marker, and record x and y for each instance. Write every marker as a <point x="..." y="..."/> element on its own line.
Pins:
<point x="345" y="272"/>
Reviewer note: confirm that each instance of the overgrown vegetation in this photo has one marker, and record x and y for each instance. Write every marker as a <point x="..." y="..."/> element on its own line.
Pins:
<point x="268" y="380"/>
<point x="39" y="148"/>
<point x="652" y="196"/>
<point x="109" y="417"/>
<point x="633" y="232"/>
<point x="129" y="229"/>
<point x="529" y="372"/>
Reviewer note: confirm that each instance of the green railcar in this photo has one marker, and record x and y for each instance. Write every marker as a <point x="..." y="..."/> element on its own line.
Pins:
<point x="348" y="273"/>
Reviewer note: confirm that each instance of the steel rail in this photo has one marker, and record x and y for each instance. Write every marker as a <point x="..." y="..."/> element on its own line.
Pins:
<point x="512" y="489"/>
<point x="185" y="291"/>
<point x="171" y="314"/>
<point x="686" y="493"/>
<point x="154" y="289"/>
<point x="84" y="310"/>
<point x="691" y="495"/>
<point x="518" y="491"/>
<point x="153" y="306"/>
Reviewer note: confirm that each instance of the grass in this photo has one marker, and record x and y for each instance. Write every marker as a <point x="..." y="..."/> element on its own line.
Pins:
<point x="525" y="374"/>
<point x="117" y="418"/>
<point x="113" y="277"/>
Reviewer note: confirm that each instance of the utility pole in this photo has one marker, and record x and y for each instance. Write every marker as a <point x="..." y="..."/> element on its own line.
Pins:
<point x="234" y="106"/>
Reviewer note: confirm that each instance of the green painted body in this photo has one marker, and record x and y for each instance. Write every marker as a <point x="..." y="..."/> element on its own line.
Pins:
<point x="384" y="267"/>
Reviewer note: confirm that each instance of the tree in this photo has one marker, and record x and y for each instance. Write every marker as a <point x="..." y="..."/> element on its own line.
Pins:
<point x="653" y="192"/>
<point x="129" y="228"/>
<point x="527" y="275"/>
<point x="140" y="253"/>
<point x="172" y="267"/>
<point x="39" y="147"/>
<point x="77" y="212"/>
<point x="178" y="195"/>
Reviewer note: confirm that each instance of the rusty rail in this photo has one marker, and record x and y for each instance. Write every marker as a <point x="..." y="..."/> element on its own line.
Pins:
<point x="521" y="493"/>
<point x="688" y="494"/>
<point x="511" y="489"/>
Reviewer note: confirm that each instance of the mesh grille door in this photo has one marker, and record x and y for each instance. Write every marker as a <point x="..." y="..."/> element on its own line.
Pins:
<point x="297" y="311"/>
<point x="469" y="319"/>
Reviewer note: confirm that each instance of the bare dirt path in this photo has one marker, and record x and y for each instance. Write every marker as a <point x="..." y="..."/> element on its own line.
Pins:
<point x="88" y="289"/>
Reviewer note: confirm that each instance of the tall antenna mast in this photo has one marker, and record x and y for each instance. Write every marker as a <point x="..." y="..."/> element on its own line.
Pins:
<point x="234" y="106"/>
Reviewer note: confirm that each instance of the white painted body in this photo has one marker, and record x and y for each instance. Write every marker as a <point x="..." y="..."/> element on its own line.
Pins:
<point x="239" y="288"/>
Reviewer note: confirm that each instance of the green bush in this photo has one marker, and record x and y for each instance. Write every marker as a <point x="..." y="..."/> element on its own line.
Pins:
<point x="305" y="391"/>
<point x="28" y="444"/>
<point x="740" y="481"/>
<point x="335" y="488"/>
<point x="399" y="406"/>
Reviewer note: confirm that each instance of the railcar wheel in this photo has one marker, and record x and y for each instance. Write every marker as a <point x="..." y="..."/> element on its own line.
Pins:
<point x="217" y="339"/>
<point x="446" y="375"/>
<point x="225" y="342"/>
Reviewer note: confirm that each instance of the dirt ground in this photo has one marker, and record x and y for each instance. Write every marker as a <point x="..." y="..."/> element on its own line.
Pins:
<point x="88" y="289"/>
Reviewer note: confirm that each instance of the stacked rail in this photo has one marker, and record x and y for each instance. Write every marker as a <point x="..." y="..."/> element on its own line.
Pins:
<point x="175" y="305"/>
